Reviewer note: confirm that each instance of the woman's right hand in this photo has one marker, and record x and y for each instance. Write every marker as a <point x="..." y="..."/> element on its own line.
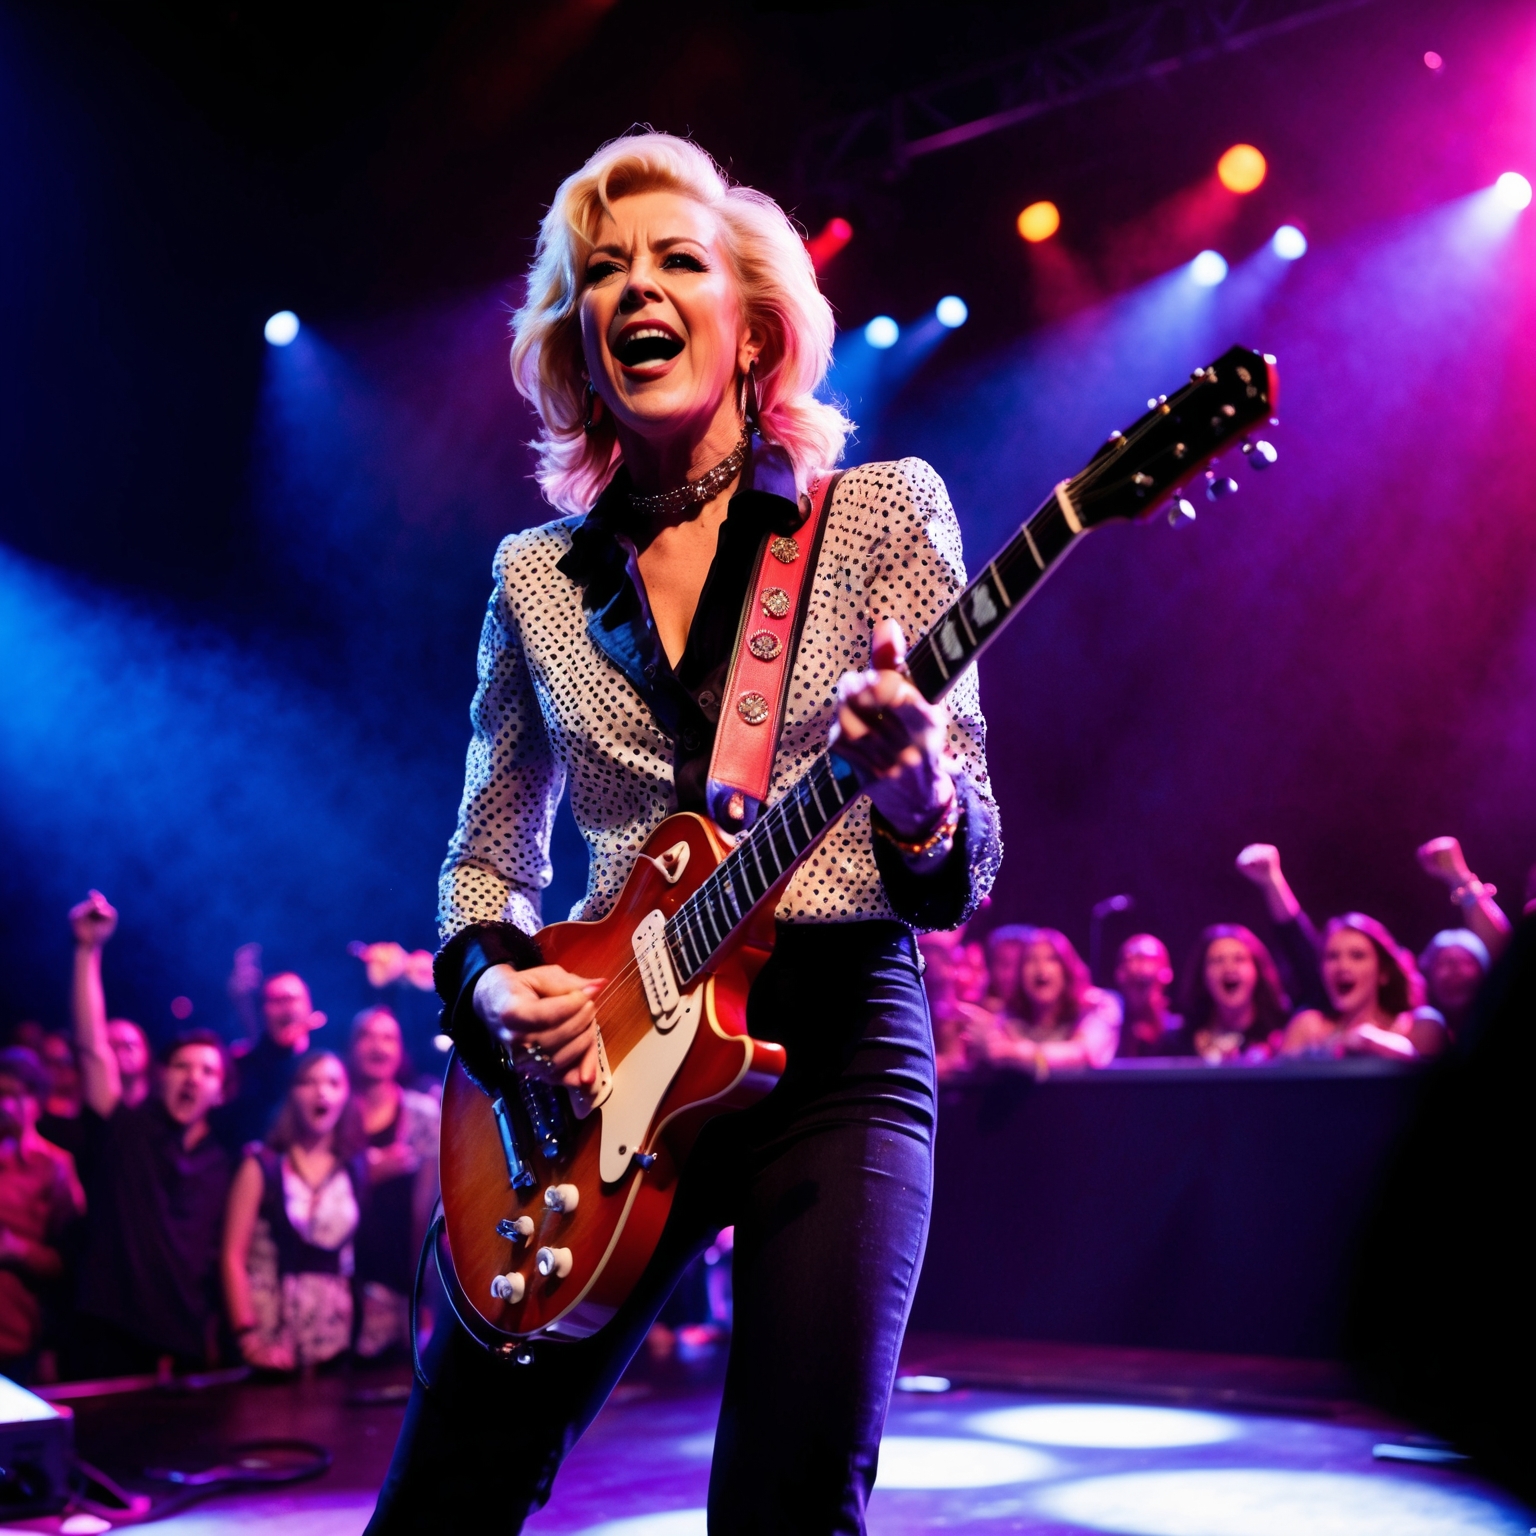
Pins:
<point x="544" y="1012"/>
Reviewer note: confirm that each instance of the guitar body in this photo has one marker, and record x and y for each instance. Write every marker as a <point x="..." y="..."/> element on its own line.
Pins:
<point x="617" y="1222"/>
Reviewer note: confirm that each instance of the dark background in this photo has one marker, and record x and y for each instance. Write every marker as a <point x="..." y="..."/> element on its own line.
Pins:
<point x="240" y="588"/>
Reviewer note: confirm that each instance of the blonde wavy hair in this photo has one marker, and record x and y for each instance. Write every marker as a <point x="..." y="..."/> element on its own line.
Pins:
<point x="779" y="299"/>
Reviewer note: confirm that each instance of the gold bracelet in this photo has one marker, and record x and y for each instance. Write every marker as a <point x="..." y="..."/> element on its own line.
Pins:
<point x="914" y="850"/>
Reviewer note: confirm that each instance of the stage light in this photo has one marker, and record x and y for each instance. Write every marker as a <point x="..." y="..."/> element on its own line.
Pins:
<point x="1433" y="61"/>
<point x="281" y="328"/>
<point x="882" y="332"/>
<point x="923" y="1383"/>
<point x="443" y="1042"/>
<point x="1255" y="1502"/>
<point x="181" y="1007"/>
<point x="1105" y="1426"/>
<point x="835" y="234"/>
<point x="1288" y="243"/>
<point x="671" y="1522"/>
<point x="951" y="312"/>
<point x="1513" y="190"/>
<point x="1208" y="269"/>
<point x="943" y="1461"/>
<point x="1039" y="222"/>
<point x="1242" y="169"/>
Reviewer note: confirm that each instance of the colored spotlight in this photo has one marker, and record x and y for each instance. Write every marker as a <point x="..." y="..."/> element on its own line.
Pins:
<point x="835" y="234"/>
<point x="1288" y="243"/>
<point x="1208" y="269"/>
<point x="1433" y="61"/>
<point x="951" y="312"/>
<point x="1513" y="190"/>
<point x="281" y="328"/>
<point x="882" y="332"/>
<point x="1039" y="222"/>
<point x="1242" y="169"/>
<point x="1105" y="1426"/>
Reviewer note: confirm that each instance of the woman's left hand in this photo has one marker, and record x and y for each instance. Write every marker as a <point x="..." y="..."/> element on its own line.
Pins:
<point x="894" y="739"/>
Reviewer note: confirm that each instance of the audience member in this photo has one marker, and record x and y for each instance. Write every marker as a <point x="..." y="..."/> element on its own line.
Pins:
<point x="1234" y="1006"/>
<point x="148" y="1285"/>
<point x="1056" y="1017"/>
<point x="1454" y="965"/>
<point x="1295" y="934"/>
<point x="40" y="1195"/>
<point x="278" y="1017"/>
<point x="293" y="1214"/>
<point x="1370" y="997"/>
<point x="1442" y="857"/>
<point x="1143" y="974"/>
<point x="941" y="952"/>
<point x="400" y="1127"/>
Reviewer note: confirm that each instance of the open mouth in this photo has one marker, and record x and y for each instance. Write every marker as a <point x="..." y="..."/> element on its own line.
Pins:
<point x="647" y="344"/>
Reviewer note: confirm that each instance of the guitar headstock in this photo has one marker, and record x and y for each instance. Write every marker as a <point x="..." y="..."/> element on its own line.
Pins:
<point x="1143" y="467"/>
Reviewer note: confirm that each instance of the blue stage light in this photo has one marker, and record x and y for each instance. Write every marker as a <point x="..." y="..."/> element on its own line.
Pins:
<point x="1105" y="1426"/>
<point x="949" y="1461"/>
<point x="671" y="1522"/>
<point x="1288" y="243"/>
<point x="281" y="328"/>
<point x="1208" y="268"/>
<point x="1256" y="1502"/>
<point x="951" y="312"/>
<point x="1513" y="190"/>
<point x="882" y="332"/>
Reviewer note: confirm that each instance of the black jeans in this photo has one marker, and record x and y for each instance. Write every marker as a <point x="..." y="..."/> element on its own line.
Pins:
<point x="827" y="1182"/>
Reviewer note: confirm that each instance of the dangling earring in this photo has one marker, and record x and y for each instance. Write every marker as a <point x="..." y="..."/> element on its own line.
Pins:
<point x="589" y="426"/>
<point x="749" y="403"/>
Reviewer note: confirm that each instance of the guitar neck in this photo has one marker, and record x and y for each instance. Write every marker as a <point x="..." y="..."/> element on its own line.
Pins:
<point x="1001" y="587"/>
<point x="787" y="831"/>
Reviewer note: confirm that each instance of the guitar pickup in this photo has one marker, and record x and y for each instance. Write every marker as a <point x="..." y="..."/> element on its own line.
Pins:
<point x="654" y="961"/>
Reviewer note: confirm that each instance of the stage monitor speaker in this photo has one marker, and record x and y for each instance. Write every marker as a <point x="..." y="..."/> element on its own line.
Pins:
<point x="37" y="1448"/>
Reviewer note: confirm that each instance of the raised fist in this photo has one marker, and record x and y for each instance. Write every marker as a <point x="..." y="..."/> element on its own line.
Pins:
<point x="1442" y="857"/>
<point x="93" y="920"/>
<point x="1260" y="862"/>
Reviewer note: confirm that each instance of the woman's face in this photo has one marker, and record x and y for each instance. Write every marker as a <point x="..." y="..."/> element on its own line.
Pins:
<point x="321" y="1095"/>
<point x="377" y="1051"/>
<point x="1043" y="976"/>
<point x="1454" y="977"/>
<point x="1230" y="974"/>
<point x="661" y="320"/>
<point x="1351" y="970"/>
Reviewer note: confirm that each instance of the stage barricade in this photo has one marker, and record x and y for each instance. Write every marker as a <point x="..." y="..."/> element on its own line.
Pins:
<point x="1160" y="1206"/>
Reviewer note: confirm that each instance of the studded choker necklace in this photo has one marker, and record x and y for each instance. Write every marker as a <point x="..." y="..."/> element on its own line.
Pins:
<point x="692" y="493"/>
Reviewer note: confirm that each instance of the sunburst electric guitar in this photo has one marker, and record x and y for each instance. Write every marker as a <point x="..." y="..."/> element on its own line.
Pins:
<point x="554" y="1201"/>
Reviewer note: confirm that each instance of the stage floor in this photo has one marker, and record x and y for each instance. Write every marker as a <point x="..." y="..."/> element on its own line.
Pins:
<point x="1027" y="1439"/>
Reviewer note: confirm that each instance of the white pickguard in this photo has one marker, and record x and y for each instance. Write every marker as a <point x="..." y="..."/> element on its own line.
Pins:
<point x="637" y="1084"/>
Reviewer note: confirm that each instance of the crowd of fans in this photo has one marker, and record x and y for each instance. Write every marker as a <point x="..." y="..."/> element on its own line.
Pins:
<point x="261" y="1204"/>
<point x="1022" y="998"/>
<point x="265" y="1203"/>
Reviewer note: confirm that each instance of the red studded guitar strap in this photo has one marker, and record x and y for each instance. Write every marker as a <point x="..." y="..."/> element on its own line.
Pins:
<point x="752" y="708"/>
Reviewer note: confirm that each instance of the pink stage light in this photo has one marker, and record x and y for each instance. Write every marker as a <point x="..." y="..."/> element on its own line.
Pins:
<point x="835" y="234"/>
<point x="1513" y="190"/>
<point x="1433" y="61"/>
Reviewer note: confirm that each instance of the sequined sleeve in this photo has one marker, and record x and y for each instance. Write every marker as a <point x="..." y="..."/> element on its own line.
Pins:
<point x="922" y="571"/>
<point x="498" y="859"/>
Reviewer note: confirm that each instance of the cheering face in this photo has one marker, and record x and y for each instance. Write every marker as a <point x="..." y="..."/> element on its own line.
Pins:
<point x="1230" y="974"/>
<point x="18" y="1108"/>
<point x="192" y="1083"/>
<point x="1351" y="971"/>
<point x="1454" y="977"/>
<point x="287" y="1010"/>
<point x="1043" y="976"/>
<point x="377" y="1049"/>
<point x="321" y="1095"/>
<point x="1143" y="967"/>
<point x="661" y="319"/>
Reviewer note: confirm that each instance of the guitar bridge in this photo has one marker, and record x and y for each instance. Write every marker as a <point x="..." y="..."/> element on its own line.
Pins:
<point x="546" y="1116"/>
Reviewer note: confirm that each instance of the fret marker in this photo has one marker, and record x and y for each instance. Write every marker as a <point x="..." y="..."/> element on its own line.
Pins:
<point x="983" y="609"/>
<point x="1068" y="511"/>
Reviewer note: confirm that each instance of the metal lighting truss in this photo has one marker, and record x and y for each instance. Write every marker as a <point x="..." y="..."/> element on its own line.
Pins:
<point x="1140" y="44"/>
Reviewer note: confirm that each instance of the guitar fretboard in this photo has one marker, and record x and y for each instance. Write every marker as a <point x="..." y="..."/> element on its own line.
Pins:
<point x="785" y="832"/>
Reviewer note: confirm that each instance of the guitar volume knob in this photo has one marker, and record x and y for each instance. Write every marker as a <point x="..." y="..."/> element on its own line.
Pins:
<point x="562" y="1197"/>
<point x="553" y="1263"/>
<point x="508" y="1287"/>
<point x="518" y="1231"/>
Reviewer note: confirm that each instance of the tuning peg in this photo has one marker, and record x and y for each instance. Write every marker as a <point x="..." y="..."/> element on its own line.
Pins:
<point x="1217" y="486"/>
<point x="1260" y="454"/>
<point x="1181" y="514"/>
